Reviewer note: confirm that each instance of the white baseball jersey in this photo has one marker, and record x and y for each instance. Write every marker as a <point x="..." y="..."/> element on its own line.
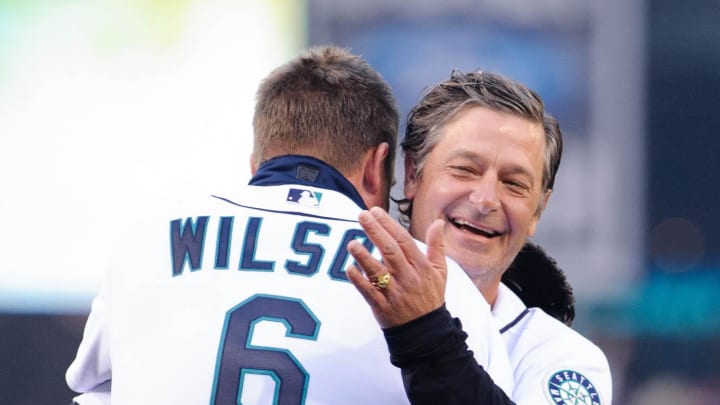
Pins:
<point x="242" y="298"/>
<point x="552" y="363"/>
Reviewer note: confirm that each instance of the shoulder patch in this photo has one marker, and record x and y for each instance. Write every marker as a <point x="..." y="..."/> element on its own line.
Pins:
<point x="568" y="387"/>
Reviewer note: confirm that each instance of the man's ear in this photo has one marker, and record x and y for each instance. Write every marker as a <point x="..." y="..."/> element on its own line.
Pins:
<point x="410" y="179"/>
<point x="374" y="172"/>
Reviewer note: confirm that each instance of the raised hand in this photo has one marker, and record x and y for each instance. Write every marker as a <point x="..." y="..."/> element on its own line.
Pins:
<point x="408" y="282"/>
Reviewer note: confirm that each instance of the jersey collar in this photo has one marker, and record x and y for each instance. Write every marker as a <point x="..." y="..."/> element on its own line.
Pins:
<point x="508" y="309"/>
<point x="305" y="170"/>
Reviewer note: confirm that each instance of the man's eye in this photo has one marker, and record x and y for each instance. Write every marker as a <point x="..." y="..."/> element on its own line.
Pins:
<point x="516" y="185"/>
<point x="462" y="169"/>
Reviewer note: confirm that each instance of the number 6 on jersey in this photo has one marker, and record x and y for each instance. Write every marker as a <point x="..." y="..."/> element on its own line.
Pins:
<point x="238" y="358"/>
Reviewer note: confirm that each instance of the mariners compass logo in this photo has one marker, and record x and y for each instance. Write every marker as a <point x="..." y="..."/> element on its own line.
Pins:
<point x="569" y="387"/>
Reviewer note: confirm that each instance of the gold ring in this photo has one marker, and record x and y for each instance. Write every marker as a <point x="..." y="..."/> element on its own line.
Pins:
<point x="382" y="281"/>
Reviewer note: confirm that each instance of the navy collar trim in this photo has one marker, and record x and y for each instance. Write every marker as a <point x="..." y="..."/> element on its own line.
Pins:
<point x="514" y="321"/>
<point x="305" y="170"/>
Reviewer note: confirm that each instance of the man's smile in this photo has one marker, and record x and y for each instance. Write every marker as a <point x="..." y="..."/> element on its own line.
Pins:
<point x="474" y="228"/>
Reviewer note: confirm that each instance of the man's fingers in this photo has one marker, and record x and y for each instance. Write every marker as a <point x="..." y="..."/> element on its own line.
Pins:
<point x="394" y="229"/>
<point x="398" y="248"/>
<point x="375" y="298"/>
<point x="435" y="239"/>
<point x="370" y="265"/>
<point x="384" y="242"/>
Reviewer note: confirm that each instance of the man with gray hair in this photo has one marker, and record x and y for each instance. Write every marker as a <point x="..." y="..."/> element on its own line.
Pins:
<point x="481" y="156"/>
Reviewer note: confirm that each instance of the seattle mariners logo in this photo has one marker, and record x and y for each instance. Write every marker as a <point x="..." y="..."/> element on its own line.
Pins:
<point x="569" y="387"/>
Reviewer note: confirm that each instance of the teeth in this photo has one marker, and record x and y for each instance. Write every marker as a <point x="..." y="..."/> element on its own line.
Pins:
<point x="466" y="225"/>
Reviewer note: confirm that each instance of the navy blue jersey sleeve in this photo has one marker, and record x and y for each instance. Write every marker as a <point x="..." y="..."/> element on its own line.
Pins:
<point x="437" y="366"/>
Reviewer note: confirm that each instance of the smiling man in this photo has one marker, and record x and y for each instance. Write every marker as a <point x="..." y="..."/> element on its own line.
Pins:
<point x="484" y="178"/>
<point x="481" y="155"/>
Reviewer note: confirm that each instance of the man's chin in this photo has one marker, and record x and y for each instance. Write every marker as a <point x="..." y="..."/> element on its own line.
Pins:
<point x="474" y="265"/>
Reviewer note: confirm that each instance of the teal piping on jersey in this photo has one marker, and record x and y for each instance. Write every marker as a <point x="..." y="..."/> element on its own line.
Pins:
<point x="304" y="170"/>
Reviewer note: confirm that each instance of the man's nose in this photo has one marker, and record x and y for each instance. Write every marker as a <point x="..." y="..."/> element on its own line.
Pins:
<point x="485" y="195"/>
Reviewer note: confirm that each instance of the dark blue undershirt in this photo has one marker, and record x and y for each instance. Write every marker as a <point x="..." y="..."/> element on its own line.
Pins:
<point x="305" y="170"/>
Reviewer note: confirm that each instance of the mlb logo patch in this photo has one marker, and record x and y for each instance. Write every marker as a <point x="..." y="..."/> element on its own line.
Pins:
<point x="304" y="197"/>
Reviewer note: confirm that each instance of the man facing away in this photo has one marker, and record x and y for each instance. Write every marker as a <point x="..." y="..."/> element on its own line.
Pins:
<point x="242" y="297"/>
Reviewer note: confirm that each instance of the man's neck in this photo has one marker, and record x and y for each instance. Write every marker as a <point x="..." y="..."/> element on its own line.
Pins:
<point x="306" y="170"/>
<point x="489" y="289"/>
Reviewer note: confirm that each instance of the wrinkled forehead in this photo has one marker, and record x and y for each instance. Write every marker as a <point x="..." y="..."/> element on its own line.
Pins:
<point x="480" y="133"/>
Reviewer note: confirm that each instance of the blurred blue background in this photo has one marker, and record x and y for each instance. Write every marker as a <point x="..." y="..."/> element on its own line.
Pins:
<point x="105" y="105"/>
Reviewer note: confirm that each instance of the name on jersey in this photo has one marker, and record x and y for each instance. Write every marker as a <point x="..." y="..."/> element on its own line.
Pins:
<point x="190" y="240"/>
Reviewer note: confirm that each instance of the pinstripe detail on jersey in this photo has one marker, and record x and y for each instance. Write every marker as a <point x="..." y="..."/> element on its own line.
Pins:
<point x="302" y="214"/>
<point x="514" y="321"/>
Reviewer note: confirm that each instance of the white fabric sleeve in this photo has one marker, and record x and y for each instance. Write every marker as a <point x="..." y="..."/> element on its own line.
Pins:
<point x="566" y="367"/>
<point x="91" y="369"/>
<point x="98" y="396"/>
